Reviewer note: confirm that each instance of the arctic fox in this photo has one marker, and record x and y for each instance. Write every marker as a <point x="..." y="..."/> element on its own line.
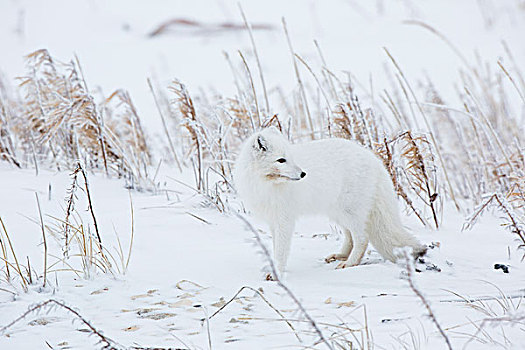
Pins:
<point x="280" y="182"/>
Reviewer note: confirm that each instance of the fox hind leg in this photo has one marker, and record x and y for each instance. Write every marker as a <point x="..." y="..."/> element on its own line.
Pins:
<point x="360" y="243"/>
<point x="347" y="247"/>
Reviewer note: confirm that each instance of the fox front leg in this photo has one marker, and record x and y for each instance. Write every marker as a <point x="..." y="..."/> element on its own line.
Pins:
<point x="282" y="238"/>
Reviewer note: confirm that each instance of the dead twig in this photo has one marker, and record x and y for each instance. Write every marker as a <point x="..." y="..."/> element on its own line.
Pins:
<point x="416" y="291"/>
<point x="44" y="238"/>
<point x="267" y="303"/>
<point x="107" y="342"/>
<point x="164" y="126"/>
<point x="261" y="76"/>
<point x="90" y="203"/>
<point x="513" y="221"/>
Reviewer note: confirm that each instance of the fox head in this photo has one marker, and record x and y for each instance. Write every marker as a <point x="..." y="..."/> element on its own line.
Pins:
<point x="270" y="154"/>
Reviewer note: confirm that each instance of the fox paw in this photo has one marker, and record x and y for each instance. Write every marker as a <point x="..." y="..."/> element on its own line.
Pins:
<point x="333" y="257"/>
<point x="344" y="265"/>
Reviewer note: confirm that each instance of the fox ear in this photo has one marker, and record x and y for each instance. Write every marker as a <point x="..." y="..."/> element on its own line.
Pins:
<point x="273" y="129"/>
<point x="260" y="144"/>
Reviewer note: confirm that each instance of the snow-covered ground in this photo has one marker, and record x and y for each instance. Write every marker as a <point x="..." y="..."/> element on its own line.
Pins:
<point x="187" y="259"/>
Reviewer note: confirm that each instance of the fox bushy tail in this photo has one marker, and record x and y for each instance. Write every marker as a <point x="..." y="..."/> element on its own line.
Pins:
<point x="384" y="226"/>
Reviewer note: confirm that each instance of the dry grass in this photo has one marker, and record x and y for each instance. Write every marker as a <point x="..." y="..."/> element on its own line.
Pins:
<point x="496" y="311"/>
<point x="7" y="247"/>
<point x="78" y="238"/>
<point x="9" y="108"/>
<point x="60" y="122"/>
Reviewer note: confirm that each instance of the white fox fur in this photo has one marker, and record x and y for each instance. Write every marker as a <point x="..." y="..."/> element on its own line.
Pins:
<point x="279" y="182"/>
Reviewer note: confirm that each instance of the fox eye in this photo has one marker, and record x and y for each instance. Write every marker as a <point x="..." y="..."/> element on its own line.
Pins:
<point x="281" y="160"/>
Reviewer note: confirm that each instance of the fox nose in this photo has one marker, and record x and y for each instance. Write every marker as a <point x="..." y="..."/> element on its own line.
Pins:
<point x="303" y="174"/>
